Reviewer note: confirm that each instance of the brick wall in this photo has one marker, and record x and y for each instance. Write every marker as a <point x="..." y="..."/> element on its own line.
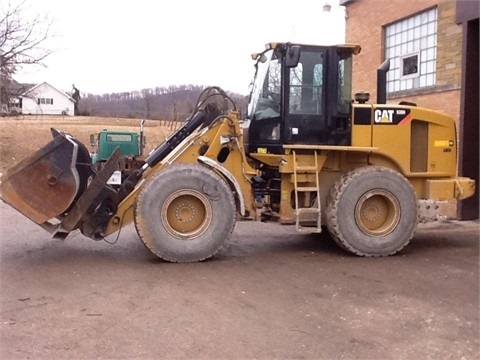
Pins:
<point x="365" y="21"/>
<point x="447" y="102"/>
<point x="449" y="46"/>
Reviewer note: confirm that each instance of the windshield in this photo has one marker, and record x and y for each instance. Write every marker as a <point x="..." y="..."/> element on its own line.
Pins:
<point x="265" y="95"/>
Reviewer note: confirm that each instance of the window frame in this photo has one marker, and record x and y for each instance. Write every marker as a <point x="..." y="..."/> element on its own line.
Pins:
<point x="416" y="74"/>
<point x="416" y="34"/>
<point x="44" y="101"/>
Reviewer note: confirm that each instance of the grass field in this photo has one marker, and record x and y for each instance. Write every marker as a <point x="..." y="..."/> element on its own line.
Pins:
<point x="21" y="136"/>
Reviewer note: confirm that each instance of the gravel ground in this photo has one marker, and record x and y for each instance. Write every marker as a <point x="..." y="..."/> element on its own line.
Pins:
<point x="271" y="294"/>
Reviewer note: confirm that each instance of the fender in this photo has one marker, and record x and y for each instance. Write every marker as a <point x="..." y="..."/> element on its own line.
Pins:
<point x="229" y="177"/>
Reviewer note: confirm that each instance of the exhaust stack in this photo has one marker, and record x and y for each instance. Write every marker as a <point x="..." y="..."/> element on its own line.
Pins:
<point x="382" y="82"/>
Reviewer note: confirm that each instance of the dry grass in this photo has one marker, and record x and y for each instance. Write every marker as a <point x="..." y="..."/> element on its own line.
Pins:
<point x="21" y="136"/>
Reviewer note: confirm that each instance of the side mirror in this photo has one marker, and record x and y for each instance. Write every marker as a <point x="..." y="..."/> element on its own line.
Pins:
<point x="92" y="139"/>
<point x="292" y="56"/>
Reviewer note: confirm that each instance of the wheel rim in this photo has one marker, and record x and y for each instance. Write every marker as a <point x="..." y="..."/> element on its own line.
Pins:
<point x="186" y="214"/>
<point x="377" y="212"/>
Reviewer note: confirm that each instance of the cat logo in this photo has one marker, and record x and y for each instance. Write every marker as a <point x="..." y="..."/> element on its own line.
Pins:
<point x="384" y="116"/>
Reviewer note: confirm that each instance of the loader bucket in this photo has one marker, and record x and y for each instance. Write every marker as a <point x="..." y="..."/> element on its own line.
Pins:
<point x="46" y="184"/>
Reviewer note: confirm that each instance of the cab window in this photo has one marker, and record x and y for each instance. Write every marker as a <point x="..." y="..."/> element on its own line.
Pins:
<point x="306" y="84"/>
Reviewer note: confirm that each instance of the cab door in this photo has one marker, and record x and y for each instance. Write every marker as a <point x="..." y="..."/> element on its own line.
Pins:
<point x="305" y="99"/>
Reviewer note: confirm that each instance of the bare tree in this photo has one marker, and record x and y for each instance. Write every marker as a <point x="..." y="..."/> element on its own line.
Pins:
<point x="21" y="43"/>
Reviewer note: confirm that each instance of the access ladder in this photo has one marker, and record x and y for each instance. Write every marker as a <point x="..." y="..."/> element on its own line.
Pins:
<point x="303" y="214"/>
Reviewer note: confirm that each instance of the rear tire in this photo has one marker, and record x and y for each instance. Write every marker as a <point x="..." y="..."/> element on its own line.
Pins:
<point x="185" y="213"/>
<point x="372" y="211"/>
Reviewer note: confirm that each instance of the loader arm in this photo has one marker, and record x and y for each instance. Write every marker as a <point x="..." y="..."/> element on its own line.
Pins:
<point x="218" y="146"/>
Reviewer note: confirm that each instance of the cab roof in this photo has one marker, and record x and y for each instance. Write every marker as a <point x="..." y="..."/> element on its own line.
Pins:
<point x="355" y="48"/>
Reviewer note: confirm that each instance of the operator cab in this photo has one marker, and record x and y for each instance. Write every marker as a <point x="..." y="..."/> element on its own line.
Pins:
<point x="301" y="94"/>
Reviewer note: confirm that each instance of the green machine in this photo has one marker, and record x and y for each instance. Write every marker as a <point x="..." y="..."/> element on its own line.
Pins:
<point x="108" y="140"/>
<point x="130" y="145"/>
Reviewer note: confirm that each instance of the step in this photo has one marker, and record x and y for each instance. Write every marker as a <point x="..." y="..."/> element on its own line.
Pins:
<point x="311" y="210"/>
<point x="303" y="217"/>
<point x="307" y="188"/>
<point x="306" y="168"/>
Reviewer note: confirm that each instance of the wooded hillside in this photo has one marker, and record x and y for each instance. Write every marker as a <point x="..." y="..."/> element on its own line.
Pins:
<point x="161" y="103"/>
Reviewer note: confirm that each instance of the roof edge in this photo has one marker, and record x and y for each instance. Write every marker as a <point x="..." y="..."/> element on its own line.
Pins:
<point x="53" y="87"/>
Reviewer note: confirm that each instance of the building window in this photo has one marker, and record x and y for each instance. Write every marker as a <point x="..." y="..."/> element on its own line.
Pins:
<point x="409" y="65"/>
<point x="411" y="46"/>
<point x="47" y="101"/>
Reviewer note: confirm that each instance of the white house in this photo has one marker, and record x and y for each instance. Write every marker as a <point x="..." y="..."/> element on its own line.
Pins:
<point x="44" y="99"/>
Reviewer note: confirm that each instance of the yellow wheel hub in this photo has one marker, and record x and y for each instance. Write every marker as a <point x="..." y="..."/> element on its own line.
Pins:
<point x="186" y="214"/>
<point x="377" y="212"/>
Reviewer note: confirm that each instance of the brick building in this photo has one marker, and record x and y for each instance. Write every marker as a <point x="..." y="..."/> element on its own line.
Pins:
<point x="425" y="42"/>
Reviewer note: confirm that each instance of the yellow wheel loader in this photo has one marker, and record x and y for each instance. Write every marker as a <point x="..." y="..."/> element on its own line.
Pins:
<point x="307" y="155"/>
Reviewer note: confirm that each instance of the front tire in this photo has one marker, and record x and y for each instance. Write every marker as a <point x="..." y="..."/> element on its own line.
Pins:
<point x="372" y="211"/>
<point x="185" y="213"/>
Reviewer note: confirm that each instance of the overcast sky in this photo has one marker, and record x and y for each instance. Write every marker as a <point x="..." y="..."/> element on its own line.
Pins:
<point x="105" y="46"/>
